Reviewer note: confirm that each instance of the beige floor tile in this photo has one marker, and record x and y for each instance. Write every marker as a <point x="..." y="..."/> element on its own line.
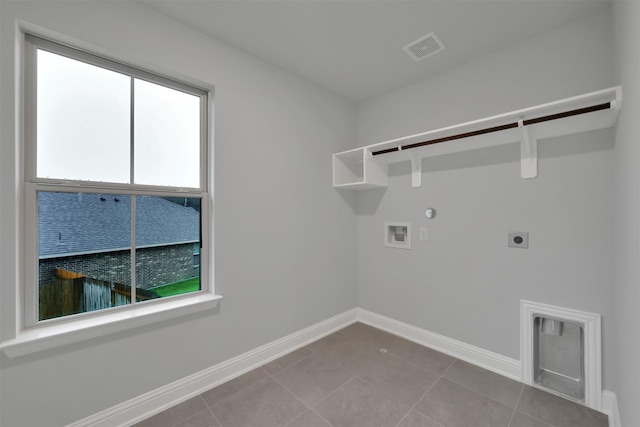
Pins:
<point x="365" y="333"/>
<point x="451" y="404"/>
<point x="522" y="420"/>
<point x="316" y="345"/>
<point x="201" y="419"/>
<point x="265" y="404"/>
<point x="341" y="349"/>
<point x="309" y="419"/>
<point x="557" y="411"/>
<point x="424" y="357"/>
<point x="175" y="414"/>
<point x="313" y="379"/>
<point x="287" y="360"/>
<point x="223" y="391"/>
<point x="416" y="419"/>
<point x="497" y="387"/>
<point x="360" y="404"/>
<point x="401" y="379"/>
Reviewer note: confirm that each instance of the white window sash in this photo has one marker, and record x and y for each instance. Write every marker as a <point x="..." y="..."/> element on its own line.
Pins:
<point x="31" y="273"/>
<point x="32" y="44"/>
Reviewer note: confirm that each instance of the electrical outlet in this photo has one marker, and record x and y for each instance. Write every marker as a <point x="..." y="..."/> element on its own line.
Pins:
<point x="518" y="239"/>
<point x="424" y="234"/>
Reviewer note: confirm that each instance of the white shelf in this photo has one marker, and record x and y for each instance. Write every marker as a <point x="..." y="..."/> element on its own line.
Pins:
<point x="353" y="170"/>
<point x="360" y="169"/>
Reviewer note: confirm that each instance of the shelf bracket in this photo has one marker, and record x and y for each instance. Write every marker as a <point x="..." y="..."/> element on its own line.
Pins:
<point x="528" y="153"/>
<point x="416" y="170"/>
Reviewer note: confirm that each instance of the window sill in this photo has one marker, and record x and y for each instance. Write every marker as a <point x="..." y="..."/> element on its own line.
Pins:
<point x="41" y="338"/>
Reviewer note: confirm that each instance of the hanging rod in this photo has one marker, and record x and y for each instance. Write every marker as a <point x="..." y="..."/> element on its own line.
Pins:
<point x="497" y="128"/>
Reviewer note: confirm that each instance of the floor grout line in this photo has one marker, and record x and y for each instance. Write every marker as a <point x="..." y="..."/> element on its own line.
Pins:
<point x="391" y="352"/>
<point x="366" y="382"/>
<point x="425" y="393"/>
<point x="323" y="418"/>
<point x="449" y="367"/>
<point x="237" y="392"/>
<point x="309" y="407"/>
<point x="329" y="395"/>
<point x="480" y="394"/>
<point x="513" y="414"/>
<point x="289" y="366"/>
<point x="326" y="397"/>
<point x="214" y="416"/>
<point x="381" y="390"/>
<point x="290" y="392"/>
<point x="190" y="414"/>
<point x="524" y="413"/>
<point x="484" y="395"/>
<point x="296" y="417"/>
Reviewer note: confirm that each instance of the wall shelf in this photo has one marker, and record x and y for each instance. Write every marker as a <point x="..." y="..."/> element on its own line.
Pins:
<point x="356" y="170"/>
<point x="366" y="167"/>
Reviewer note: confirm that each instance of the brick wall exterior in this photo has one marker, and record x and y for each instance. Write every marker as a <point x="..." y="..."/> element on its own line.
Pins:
<point x="154" y="266"/>
<point x="164" y="265"/>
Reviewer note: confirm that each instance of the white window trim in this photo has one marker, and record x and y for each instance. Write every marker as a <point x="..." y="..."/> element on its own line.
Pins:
<point x="72" y="329"/>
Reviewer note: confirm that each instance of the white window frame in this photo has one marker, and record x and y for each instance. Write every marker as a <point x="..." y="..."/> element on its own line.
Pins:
<point x="33" y="335"/>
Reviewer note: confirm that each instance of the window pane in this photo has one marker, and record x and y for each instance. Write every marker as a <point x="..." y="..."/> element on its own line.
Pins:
<point x="166" y="231"/>
<point x="167" y="136"/>
<point x="84" y="252"/>
<point x="83" y="124"/>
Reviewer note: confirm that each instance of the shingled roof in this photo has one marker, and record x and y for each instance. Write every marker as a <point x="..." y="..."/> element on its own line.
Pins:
<point x="71" y="223"/>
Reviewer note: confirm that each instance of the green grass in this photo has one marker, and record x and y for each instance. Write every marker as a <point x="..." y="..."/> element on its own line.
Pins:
<point x="178" y="288"/>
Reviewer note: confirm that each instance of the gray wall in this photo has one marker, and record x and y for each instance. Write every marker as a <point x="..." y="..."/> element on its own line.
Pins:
<point x="464" y="282"/>
<point x="284" y="239"/>
<point x="286" y="242"/>
<point x="626" y="15"/>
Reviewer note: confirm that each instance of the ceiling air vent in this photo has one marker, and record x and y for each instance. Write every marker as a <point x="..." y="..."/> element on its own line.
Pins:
<point x="424" y="47"/>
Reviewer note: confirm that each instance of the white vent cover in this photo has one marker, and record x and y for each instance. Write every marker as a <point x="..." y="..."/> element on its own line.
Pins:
<point x="424" y="47"/>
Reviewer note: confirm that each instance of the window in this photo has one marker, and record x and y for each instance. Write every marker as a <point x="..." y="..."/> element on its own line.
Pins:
<point x="116" y="185"/>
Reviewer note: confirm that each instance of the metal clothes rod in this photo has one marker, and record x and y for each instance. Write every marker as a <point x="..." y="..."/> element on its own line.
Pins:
<point x="497" y="128"/>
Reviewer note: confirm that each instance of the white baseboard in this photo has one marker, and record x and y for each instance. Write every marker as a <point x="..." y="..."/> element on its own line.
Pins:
<point x="610" y="407"/>
<point x="478" y="356"/>
<point x="148" y="404"/>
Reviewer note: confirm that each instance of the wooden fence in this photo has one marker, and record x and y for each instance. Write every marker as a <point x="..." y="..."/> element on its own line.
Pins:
<point x="73" y="293"/>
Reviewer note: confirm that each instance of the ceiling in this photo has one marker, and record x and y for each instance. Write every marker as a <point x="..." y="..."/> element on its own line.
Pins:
<point x="354" y="48"/>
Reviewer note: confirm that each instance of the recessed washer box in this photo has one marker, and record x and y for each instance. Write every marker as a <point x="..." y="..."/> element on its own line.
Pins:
<point x="397" y="235"/>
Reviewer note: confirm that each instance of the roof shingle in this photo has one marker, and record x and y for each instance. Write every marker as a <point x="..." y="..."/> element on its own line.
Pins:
<point x="82" y="222"/>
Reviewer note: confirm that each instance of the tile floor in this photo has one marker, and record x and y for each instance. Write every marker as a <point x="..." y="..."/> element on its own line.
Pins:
<point x="347" y="380"/>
